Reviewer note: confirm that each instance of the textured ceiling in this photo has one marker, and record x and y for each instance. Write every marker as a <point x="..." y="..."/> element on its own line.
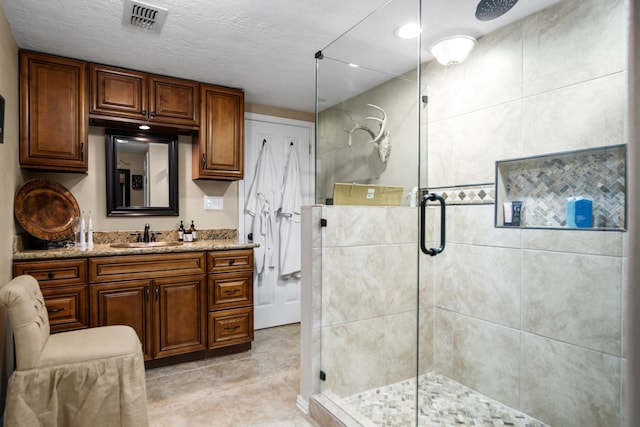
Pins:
<point x="265" y="47"/>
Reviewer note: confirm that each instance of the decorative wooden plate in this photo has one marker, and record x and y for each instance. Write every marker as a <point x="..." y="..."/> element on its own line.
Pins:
<point x="46" y="209"/>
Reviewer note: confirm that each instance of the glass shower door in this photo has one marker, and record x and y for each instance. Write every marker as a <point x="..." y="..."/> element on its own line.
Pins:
<point x="368" y="151"/>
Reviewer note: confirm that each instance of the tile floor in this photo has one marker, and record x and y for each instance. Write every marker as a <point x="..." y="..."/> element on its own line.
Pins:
<point x="253" y="388"/>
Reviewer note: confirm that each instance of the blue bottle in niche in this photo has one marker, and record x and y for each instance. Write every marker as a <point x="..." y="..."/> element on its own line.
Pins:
<point x="579" y="212"/>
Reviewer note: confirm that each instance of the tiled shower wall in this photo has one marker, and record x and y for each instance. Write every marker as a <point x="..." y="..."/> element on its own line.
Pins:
<point x="533" y="318"/>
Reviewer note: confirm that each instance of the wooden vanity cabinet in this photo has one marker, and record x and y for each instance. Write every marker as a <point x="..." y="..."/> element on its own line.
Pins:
<point x="218" y="152"/>
<point x="230" y="298"/>
<point x="53" y="113"/>
<point x="162" y="296"/>
<point x="64" y="286"/>
<point x="121" y="95"/>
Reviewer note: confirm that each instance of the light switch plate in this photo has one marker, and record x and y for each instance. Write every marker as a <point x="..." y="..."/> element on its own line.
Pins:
<point x="213" y="203"/>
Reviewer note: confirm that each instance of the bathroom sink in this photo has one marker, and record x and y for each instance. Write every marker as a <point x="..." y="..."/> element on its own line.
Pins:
<point x="145" y="244"/>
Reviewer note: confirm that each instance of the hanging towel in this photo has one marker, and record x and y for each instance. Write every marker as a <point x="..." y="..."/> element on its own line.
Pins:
<point x="290" y="246"/>
<point x="263" y="201"/>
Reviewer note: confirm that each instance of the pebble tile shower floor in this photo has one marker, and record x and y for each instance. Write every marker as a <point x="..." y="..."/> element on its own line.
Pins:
<point x="442" y="402"/>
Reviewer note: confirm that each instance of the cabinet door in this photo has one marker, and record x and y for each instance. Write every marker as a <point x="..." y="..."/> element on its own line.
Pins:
<point x="125" y="303"/>
<point x="53" y="113"/>
<point x="174" y="101"/>
<point x="179" y="315"/>
<point x="219" y="153"/>
<point x="119" y="93"/>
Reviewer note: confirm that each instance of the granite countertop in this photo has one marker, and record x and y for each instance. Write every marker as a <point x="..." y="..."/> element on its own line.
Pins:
<point x="108" y="250"/>
<point x="208" y="240"/>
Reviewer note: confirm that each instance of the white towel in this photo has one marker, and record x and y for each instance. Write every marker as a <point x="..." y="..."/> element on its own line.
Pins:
<point x="263" y="201"/>
<point x="290" y="244"/>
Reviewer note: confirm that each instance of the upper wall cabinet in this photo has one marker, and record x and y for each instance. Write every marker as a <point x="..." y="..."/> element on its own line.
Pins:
<point x="219" y="152"/>
<point x="53" y="113"/>
<point x="126" y="96"/>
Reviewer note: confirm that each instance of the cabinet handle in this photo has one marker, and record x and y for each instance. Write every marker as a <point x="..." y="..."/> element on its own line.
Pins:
<point x="144" y="112"/>
<point x="231" y="291"/>
<point x="157" y="293"/>
<point x="232" y="261"/>
<point x="146" y="292"/>
<point x="82" y="150"/>
<point x="204" y="160"/>
<point x="152" y="114"/>
<point x="51" y="275"/>
<point x="423" y="214"/>
<point x="55" y="310"/>
<point x="232" y="328"/>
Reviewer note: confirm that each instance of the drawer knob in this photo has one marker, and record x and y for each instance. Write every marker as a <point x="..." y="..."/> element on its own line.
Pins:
<point x="232" y="261"/>
<point x="51" y="275"/>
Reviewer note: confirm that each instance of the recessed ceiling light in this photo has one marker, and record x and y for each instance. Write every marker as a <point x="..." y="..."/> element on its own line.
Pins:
<point x="353" y="65"/>
<point x="144" y="127"/>
<point x="408" y="31"/>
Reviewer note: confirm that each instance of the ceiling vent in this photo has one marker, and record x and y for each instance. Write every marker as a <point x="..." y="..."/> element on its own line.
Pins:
<point x="142" y="15"/>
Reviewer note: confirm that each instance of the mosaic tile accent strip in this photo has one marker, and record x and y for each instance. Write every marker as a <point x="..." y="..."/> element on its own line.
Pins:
<point x="442" y="402"/>
<point x="478" y="194"/>
<point x="543" y="184"/>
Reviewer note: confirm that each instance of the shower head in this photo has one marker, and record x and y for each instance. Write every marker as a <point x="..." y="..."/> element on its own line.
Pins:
<point x="492" y="9"/>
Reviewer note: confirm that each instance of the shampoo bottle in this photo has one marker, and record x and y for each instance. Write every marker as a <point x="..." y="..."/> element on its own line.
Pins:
<point x="194" y="233"/>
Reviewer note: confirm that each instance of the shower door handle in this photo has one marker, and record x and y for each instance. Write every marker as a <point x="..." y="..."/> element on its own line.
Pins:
<point x="423" y="213"/>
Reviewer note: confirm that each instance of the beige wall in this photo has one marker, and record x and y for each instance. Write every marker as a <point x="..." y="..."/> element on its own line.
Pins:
<point x="279" y="112"/>
<point x="9" y="180"/>
<point x="9" y="171"/>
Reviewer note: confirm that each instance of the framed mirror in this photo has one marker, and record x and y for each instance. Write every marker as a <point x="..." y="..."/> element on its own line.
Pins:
<point x="142" y="173"/>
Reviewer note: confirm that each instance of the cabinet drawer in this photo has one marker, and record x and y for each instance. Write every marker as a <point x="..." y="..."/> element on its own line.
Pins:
<point x="223" y="261"/>
<point x="67" y="307"/>
<point x="228" y="290"/>
<point x="129" y="267"/>
<point x="228" y="327"/>
<point x="54" y="272"/>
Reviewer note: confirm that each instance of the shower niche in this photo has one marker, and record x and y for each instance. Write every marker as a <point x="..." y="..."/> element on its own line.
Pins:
<point x="544" y="183"/>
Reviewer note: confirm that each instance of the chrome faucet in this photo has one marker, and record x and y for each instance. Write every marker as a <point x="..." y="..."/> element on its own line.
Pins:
<point x="145" y="236"/>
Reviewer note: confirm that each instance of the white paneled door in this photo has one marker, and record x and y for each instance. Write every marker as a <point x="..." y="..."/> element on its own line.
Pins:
<point x="276" y="297"/>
